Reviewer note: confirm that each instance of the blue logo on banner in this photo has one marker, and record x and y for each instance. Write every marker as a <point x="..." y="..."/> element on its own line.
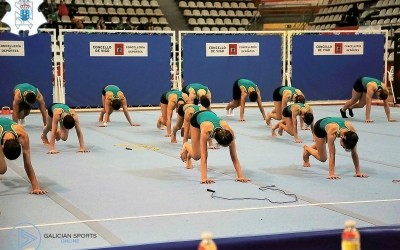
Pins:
<point x="25" y="14"/>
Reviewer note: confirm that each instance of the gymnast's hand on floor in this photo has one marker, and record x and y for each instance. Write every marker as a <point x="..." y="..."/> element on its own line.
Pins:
<point x="135" y="124"/>
<point x="38" y="191"/>
<point x="298" y="140"/>
<point x="333" y="177"/>
<point x="207" y="181"/>
<point x="361" y="175"/>
<point x="83" y="150"/>
<point x="369" y="121"/>
<point x="242" y="179"/>
<point x="53" y="151"/>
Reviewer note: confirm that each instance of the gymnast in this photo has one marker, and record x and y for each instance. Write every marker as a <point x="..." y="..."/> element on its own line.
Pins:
<point x="14" y="139"/>
<point x="326" y="130"/>
<point x="204" y="125"/>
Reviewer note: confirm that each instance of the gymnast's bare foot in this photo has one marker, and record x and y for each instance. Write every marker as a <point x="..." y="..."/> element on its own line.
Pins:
<point x="268" y="120"/>
<point x="44" y="139"/>
<point x="306" y="157"/>
<point x="160" y="125"/>
<point x="173" y="138"/>
<point x="184" y="154"/>
<point x="189" y="164"/>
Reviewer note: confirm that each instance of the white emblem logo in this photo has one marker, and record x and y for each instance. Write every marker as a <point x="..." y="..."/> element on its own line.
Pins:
<point x="24" y="16"/>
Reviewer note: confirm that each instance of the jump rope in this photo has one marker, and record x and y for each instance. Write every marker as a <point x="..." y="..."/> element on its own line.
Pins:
<point x="263" y="188"/>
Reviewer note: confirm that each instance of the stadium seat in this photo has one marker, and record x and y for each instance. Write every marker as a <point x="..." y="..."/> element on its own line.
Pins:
<point x="136" y="4"/>
<point x="196" y="12"/>
<point x="115" y="19"/>
<point x="130" y="11"/>
<point x="200" y="5"/>
<point x="143" y="19"/>
<point x="201" y="21"/>
<point x="101" y="11"/>
<point x="82" y="10"/>
<point x="183" y="4"/>
<point x="92" y="11"/>
<point x="214" y="13"/>
<point x="162" y="21"/>
<point x="187" y="13"/>
<point x="205" y="13"/>
<point x="111" y="11"/>
<point x="154" y="4"/>
<point x="149" y="12"/>
<point x="89" y="2"/>
<point x="95" y="19"/>
<point x="140" y="12"/>
<point x="117" y="3"/>
<point x="158" y="12"/>
<point x="98" y="2"/>
<point x="209" y="5"/>
<point x="226" y="5"/>
<point x="126" y="3"/>
<point x="121" y="11"/>
<point x="210" y="22"/>
<point x="145" y="3"/>
<point x="192" y="21"/>
<point x="108" y="3"/>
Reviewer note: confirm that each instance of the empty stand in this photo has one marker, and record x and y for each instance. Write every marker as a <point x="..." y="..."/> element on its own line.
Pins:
<point x="217" y="14"/>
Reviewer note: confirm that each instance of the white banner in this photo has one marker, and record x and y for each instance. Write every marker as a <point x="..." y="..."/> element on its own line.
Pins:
<point x="232" y="49"/>
<point x="12" y="48"/>
<point x="338" y="48"/>
<point x="118" y="49"/>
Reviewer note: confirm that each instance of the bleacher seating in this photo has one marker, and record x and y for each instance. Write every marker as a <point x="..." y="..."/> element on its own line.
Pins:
<point x="382" y="13"/>
<point x="114" y="10"/>
<point x="233" y="11"/>
<point x="218" y="14"/>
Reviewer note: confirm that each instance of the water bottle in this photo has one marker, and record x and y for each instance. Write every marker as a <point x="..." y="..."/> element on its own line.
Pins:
<point x="207" y="242"/>
<point x="350" y="236"/>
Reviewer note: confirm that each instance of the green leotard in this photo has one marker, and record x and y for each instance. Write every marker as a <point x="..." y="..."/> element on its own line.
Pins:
<point x="339" y="121"/>
<point x="6" y="125"/>
<point x="209" y="116"/>
<point x="178" y="94"/>
<point x="62" y="106"/>
<point x="26" y="87"/>
<point x="114" y="89"/>
<point x="289" y="108"/>
<point x="292" y="89"/>
<point x="366" y="80"/>
<point x="196" y="108"/>
<point x="196" y="87"/>
<point x="247" y="84"/>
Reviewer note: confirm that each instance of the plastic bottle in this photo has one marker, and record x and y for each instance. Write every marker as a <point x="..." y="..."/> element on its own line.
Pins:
<point x="350" y="236"/>
<point x="207" y="242"/>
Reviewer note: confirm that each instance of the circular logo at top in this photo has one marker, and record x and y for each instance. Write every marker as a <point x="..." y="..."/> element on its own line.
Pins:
<point x="24" y="16"/>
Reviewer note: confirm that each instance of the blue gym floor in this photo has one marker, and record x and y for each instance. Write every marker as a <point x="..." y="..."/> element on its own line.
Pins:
<point x="113" y="196"/>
